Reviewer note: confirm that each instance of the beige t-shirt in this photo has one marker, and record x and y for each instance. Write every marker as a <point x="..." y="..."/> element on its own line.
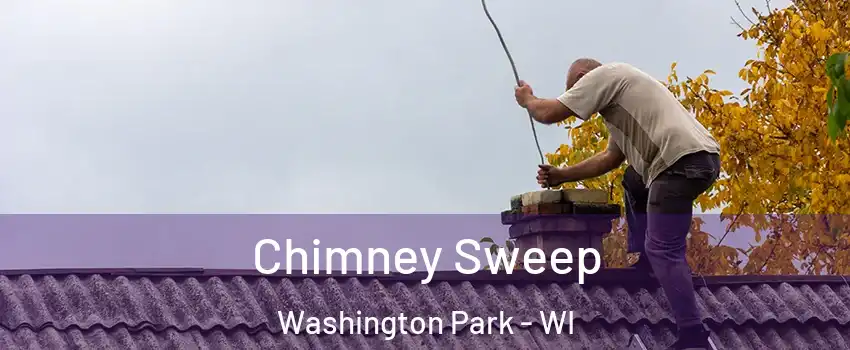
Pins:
<point x="644" y="119"/>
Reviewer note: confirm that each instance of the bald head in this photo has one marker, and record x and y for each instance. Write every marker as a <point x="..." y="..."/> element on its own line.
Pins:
<point x="579" y="68"/>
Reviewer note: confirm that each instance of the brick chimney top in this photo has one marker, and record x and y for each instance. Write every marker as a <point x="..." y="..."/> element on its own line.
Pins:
<point x="551" y="219"/>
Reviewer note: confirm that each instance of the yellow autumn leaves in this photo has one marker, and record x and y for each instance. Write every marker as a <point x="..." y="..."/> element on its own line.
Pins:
<point x="777" y="158"/>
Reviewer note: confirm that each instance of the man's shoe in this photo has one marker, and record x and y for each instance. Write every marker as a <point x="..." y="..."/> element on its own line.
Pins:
<point x="692" y="338"/>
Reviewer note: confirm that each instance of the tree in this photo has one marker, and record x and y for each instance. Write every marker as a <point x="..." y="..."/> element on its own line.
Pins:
<point x="782" y="175"/>
<point x="838" y="95"/>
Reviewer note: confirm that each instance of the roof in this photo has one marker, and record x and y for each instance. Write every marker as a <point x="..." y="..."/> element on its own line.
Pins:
<point x="228" y="309"/>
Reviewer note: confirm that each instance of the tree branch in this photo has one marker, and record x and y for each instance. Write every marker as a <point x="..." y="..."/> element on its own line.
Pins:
<point x="776" y="239"/>
<point x="738" y="4"/>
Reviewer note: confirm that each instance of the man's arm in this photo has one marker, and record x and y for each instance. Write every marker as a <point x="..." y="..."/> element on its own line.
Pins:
<point x="547" y="111"/>
<point x="589" y="95"/>
<point x="597" y="165"/>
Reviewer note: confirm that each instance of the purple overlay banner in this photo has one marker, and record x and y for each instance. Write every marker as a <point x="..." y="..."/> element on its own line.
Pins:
<point x="234" y="241"/>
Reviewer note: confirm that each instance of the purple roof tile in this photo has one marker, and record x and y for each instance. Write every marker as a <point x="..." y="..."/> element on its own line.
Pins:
<point x="238" y="310"/>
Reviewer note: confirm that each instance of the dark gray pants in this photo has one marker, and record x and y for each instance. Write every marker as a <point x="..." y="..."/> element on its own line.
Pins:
<point x="663" y="212"/>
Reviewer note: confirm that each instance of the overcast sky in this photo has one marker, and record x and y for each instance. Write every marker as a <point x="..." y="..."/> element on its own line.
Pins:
<point x="332" y="106"/>
<point x="308" y="106"/>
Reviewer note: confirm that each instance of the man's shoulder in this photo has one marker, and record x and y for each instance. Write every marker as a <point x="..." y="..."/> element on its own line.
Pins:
<point x="616" y="64"/>
<point x="625" y="73"/>
<point x="621" y="68"/>
<point x="614" y="72"/>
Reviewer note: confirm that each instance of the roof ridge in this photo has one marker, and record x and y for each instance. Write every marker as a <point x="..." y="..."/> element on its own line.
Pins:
<point x="604" y="276"/>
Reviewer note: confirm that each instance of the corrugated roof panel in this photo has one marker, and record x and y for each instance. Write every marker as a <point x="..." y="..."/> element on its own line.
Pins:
<point x="92" y="311"/>
<point x="230" y="302"/>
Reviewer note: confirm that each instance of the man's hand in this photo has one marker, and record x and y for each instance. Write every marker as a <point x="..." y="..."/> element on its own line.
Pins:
<point x="545" y="111"/>
<point x="550" y="176"/>
<point x="594" y="166"/>
<point x="523" y="94"/>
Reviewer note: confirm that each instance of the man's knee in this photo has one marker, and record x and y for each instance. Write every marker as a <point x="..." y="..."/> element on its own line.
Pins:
<point x="665" y="249"/>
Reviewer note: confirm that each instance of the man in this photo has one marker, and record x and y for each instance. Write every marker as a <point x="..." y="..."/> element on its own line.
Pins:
<point x="672" y="160"/>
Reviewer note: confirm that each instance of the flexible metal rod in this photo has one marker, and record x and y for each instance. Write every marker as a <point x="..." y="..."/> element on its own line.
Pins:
<point x="639" y="341"/>
<point x="516" y="76"/>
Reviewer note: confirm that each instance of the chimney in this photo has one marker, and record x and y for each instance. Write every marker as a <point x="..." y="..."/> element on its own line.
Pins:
<point x="551" y="219"/>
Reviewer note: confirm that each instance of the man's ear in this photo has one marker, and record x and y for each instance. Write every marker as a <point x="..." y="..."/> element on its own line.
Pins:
<point x="578" y="77"/>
